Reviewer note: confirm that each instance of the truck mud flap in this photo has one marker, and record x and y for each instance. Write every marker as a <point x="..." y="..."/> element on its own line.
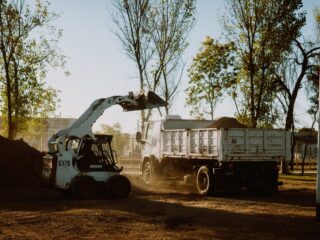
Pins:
<point x="218" y="179"/>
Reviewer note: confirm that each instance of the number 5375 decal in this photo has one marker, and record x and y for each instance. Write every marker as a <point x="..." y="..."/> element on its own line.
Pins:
<point x="63" y="163"/>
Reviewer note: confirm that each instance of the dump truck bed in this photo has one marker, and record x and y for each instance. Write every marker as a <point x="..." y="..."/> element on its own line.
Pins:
<point x="236" y="144"/>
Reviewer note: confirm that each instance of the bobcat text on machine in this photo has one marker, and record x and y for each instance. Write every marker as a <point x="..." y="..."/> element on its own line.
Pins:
<point x="212" y="158"/>
<point x="84" y="163"/>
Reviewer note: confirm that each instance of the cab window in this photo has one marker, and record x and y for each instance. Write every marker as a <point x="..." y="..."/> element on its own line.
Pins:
<point x="73" y="144"/>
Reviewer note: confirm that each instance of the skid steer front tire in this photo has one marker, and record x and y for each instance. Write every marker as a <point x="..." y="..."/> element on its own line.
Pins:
<point x="118" y="186"/>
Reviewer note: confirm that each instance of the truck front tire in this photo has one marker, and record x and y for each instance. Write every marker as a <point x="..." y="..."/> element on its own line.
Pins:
<point x="148" y="173"/>
<point x="204" y="181"/>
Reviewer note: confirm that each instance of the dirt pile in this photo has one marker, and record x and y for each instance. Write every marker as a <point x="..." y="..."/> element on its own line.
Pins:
<point x="227" y="122"/>
<point x="20" y="164"/>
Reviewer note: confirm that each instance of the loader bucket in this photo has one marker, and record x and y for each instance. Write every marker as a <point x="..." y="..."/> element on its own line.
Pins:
<point x="141" y="101"/>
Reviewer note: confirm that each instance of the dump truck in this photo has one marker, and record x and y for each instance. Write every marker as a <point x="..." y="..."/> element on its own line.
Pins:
<point x="213" y="159"/>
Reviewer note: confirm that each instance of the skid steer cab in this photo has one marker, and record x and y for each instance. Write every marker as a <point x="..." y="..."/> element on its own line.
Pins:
<point x="88" y="168"/>
<point x="84" y="163"/>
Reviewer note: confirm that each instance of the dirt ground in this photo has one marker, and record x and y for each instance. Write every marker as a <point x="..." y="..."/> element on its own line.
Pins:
<point x="163" y="214"/>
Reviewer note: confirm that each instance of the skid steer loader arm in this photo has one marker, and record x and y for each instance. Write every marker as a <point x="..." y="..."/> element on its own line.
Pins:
<point x="83" y="125"/>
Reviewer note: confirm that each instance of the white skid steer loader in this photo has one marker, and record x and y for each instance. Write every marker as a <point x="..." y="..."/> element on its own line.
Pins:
<point x="84" y="163"/>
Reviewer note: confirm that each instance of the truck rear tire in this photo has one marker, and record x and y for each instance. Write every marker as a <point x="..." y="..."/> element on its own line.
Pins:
<point x="118" y="186"/>
<point x="204" y="181"/>
<point x="148" y="173"/>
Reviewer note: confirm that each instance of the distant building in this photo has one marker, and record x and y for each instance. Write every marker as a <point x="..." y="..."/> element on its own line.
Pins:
<point x="302" y="139"/>
<point x="52" y="126"/>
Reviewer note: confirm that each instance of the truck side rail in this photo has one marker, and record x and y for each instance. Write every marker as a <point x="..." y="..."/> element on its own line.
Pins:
<point x="190" y="143"/>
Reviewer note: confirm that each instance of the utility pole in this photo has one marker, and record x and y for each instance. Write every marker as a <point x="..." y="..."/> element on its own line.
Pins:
<point x="318" y="161"/>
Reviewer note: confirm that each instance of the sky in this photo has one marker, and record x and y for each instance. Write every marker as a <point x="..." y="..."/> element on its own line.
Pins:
<point x="100" y="68"/>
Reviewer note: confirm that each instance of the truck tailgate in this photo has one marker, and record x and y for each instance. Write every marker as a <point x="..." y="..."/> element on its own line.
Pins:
<point x="255" y="144"/>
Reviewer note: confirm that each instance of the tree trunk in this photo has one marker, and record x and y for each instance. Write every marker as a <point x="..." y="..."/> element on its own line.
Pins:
<point x="9" y="106"/>
<point x="142" y="112"/>
<point x="167" y="109"/>
<point x="289" y="126"/>
<point x="143" y="118"/>
<point x="307" y="144"/>
<point x="293" y="145"/>
<point x="289" y="118"/>
<point x="252" y="107"/>
<point x="304" y="158"/>
<point x="9" y="102"/>
<point x="16" y="96"/>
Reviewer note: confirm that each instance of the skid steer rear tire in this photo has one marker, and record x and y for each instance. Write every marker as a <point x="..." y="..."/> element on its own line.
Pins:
<point x="118" y="186"/>
<point x="84" y="188"/>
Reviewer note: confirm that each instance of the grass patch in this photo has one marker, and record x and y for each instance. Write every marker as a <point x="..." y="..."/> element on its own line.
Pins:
<point x="297" y="177"/>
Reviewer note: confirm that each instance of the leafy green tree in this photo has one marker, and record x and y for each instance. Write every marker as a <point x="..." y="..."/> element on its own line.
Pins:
<point x="28" y="46"/>
<point x="313" y="74"/>
<point x="211" y="73"/>
<point x="263" y="31"/>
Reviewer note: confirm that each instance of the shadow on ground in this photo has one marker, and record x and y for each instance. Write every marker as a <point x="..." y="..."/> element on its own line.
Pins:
<point x="171" y="211"/>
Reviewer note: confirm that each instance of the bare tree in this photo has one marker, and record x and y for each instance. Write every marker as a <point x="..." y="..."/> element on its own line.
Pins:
<point x="154" y="35"/>
<point x="290" y="80"/>
<point x="131" y="18"/>
<point x="170" y="25"/>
